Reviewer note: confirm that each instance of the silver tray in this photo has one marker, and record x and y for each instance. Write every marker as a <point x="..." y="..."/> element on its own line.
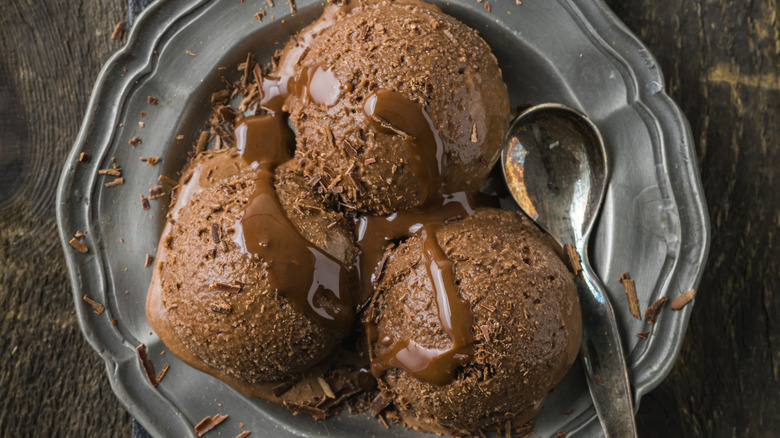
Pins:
<point x="654" y="223"/>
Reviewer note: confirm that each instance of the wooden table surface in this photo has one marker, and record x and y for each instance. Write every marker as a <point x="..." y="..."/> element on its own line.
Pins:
<point x="722" y="63"/>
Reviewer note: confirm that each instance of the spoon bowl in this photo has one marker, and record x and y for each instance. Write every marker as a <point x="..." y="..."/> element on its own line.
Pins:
<point x="555" y="166"/>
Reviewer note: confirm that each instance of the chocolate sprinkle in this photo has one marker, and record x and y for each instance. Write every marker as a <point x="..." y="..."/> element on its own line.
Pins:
<point x="78" y="245"/>
<point x="209" y="423"/>
<point x="683" y="299"/>
<point x="96" y="306"/>
<point x="652" y="312"/>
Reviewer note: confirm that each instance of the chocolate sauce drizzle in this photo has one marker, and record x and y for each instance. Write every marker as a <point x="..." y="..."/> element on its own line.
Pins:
<point x="391" y="112"/>
<point x="312" y="280"/>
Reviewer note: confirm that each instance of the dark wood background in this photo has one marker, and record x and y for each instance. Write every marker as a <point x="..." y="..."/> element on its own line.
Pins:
<point x="722" y="63"/>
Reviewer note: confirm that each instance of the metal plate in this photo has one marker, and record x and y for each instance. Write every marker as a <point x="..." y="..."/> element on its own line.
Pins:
<point x="654" y="223"/>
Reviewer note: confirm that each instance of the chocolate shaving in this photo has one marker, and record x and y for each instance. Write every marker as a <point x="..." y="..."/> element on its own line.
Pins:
<point x="244" y="434"/>
<point x="487" y="307"/>
<point x="561" y="433"/>
<point x="148" y="260"/>
<point x="150" y="160"/>
<point x="224" y="308"/>
<point x="356" y="182"/>
<point x="260" y="15"/>
<point x="369" y="161"/>
<point x="203" y="140"/>
<point x="485" y="332"/>
<point x="83" y="157"/>
<point x="146" y="364"/>
<point x="225" y="287"/>
<point x="78" y="245"/>
<point x="80" y="234"/>
<point x="134" y="141"/>
<point x="572" y="259"/>
<point x="295" y="408"/>
<point x="643" y="335"/>
<point x="209" y="423"/>
<point x="96" y="306"/>
<point x="115" y="182"/>
<point x="567" y="412"/>
<point x="151" y="100"/>
<point x="110" y="172"/>
<point x="215" y="232"/>
<point x="247" y="70"/>
<point x="683" y="299"/>
<point x="633" y="301"/>
<point x="597" y="378"/>
<point x="293" y="8"/>
<point x="280" y="389"/>
<point x="652" y="312"/>
<point x="190" y="52"/>
<point x="162" y="372"/>
<point x="119" y="31"/>
<point x="326" y="387"/>
<point x="145" y="203"/>
<point x="271" y="3"/>
<point x="379" y="403"/>
<point x="474" y="138"/>
<point x="220" y="96"/>
<point x="487" y="8"/>
<point x="166" y="180"/>
<point x="156" y="192"/>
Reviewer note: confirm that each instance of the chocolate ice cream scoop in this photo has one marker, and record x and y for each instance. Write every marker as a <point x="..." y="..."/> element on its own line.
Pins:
<point x="225" y="304"/>
<point x="394" y="102"/>
<point x="524" y="325"/>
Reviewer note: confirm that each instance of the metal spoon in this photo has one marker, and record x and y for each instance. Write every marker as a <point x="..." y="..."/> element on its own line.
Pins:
<point x="555" y="165"/>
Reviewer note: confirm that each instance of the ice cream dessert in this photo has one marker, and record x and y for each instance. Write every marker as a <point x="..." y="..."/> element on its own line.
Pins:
<point x="491" y="352"/>
<point x="395" y="102"/>
<point x="284" y="248"/>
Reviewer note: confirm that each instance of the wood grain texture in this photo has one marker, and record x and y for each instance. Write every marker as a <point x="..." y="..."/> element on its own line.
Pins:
<point x="722" y="64"/>
<point x="51" y="382"/>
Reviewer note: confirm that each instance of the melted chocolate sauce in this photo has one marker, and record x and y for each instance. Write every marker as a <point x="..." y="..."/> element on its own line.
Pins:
<point x="313" y="281"/>
<point x="390" y="112"/>
<point x="436" y="366"/>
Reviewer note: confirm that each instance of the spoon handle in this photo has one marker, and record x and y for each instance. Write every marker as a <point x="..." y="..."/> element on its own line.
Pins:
<point x="602" y="357"/>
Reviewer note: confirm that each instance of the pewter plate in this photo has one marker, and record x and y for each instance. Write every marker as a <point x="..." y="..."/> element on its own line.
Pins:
<point x="654" y="223"/>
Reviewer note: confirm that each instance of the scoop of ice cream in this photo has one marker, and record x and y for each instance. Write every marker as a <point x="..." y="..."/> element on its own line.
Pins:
<point x="526" y="324"/>
<point x="393" y="102"/>
<point x="220" y="300"/>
